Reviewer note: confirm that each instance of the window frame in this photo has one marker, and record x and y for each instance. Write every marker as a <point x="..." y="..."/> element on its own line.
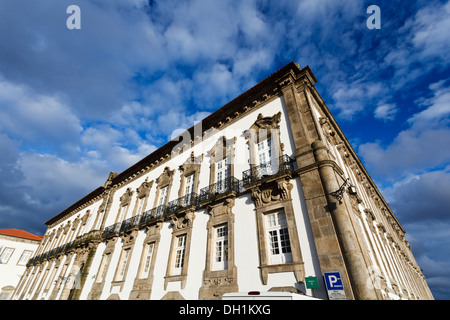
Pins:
<point x="30" y="252"/>
<point x="274" y="234"/>
<point x="8" y="256"/>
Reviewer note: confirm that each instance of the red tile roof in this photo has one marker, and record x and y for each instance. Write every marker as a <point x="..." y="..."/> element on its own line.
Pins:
<point x="20" y="234"/>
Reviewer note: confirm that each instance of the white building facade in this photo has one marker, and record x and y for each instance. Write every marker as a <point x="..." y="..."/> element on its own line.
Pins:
<point x="16" y="248"/>
<point x="261" y="194"/>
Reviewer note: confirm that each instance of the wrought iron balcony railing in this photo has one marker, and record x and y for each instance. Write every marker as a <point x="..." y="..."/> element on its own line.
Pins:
<point x="130" y="223"/>
<point x="63" y="249"/>
<point x="274" y="167"/>
<point x="151" y="214"/>
<point x="213" y="190"/>
<point x="111" y="230"/>
<point x="183" y="202"/>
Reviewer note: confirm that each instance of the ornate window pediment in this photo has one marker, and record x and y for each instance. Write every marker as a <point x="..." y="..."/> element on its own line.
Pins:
<point x="166" y="177"/>
<point x="126" y="197"/>
<point x="144" y="188"/>
<point x="264" y="129"/>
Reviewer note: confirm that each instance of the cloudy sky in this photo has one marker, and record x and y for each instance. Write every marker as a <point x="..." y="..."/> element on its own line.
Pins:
<point x="77" y="104"/>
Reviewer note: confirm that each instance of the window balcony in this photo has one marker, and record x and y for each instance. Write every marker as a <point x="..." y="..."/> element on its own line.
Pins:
<point x="215" y="190"/>
<point x="130" y="223"/>
<point x="181" y="203"/>
<point x="262" y="172"/>
<point x="112" y="230"/>
<point x="152" y="214"/>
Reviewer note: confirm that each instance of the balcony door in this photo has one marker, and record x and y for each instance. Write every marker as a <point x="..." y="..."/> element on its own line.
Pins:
<point x="267" y="163"/>
<point x="222" y="176"/>
<point x="189" y="189"/>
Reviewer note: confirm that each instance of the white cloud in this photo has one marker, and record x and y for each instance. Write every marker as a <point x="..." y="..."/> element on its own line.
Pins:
<point x="386" y="112"/>
<point x="431" y="25"/>
<point x="351" y="98"/>
<point x="438" y="110"/>
<point x="119" y="149"/>
<point x="421" y="197"/>
<point x="34" y="117"/>
<point x="420" y="147"/>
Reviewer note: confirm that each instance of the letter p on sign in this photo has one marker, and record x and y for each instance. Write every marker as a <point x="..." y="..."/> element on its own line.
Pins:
<point x="333" y="280"/>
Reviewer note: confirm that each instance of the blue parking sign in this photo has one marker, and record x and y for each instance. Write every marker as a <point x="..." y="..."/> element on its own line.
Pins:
<point x="333" y="281"/>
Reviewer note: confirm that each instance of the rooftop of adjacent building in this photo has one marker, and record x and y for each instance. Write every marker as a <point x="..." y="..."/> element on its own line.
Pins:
<point x="20" y="234"/>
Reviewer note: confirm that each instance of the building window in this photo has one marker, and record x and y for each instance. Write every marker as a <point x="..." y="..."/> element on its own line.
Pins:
<point x="140" y="206"/>
<point x="264" y="151"/>
<point x="179" y="254"/>
<point x="221" y="247"/>
<point x="122" y="266"/>
<point x="278" y="238"/>
<point x="148" y="255"/>
<point x="190" y="184"/>
<point x="222" y="172"/>
<point x="221" y="164"/>
<point x="163" y="196"/>
<point x="123" y="213"/>
<point x="6" y="254"/>
<point x="25" y="257"/>
<point x="103" y="267"/>
<point x="189" y="189"/>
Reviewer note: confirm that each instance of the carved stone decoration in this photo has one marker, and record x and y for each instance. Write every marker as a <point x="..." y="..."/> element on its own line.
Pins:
<point x="166" y="177"/>
<point x="126" y="197"/>
<point x="108" y="182"/>
<point x="129" y="238"/>
<point x="184" y="221"/>
<point x="267" y="122"/>
<point x="85" y="217"/>
<point x="144" y="188"/>
<point x="272" y="193"/>
<point x="328" y="130"/>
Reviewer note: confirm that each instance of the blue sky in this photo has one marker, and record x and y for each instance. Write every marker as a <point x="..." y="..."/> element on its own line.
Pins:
<point x="77" y="104"/>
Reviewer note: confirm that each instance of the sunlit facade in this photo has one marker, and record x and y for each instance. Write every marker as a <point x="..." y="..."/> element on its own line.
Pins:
<point x="260" y="195"/>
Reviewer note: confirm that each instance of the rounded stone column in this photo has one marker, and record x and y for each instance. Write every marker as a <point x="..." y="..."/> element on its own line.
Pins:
<point x="353" y="257"/>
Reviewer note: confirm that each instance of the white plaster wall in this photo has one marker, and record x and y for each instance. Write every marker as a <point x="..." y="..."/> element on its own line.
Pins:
<point x="11" y="271"/>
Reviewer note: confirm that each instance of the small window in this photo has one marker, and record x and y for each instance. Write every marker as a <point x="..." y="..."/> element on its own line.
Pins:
<point x="6" y="254"/>
<point x="25" y="257"/>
